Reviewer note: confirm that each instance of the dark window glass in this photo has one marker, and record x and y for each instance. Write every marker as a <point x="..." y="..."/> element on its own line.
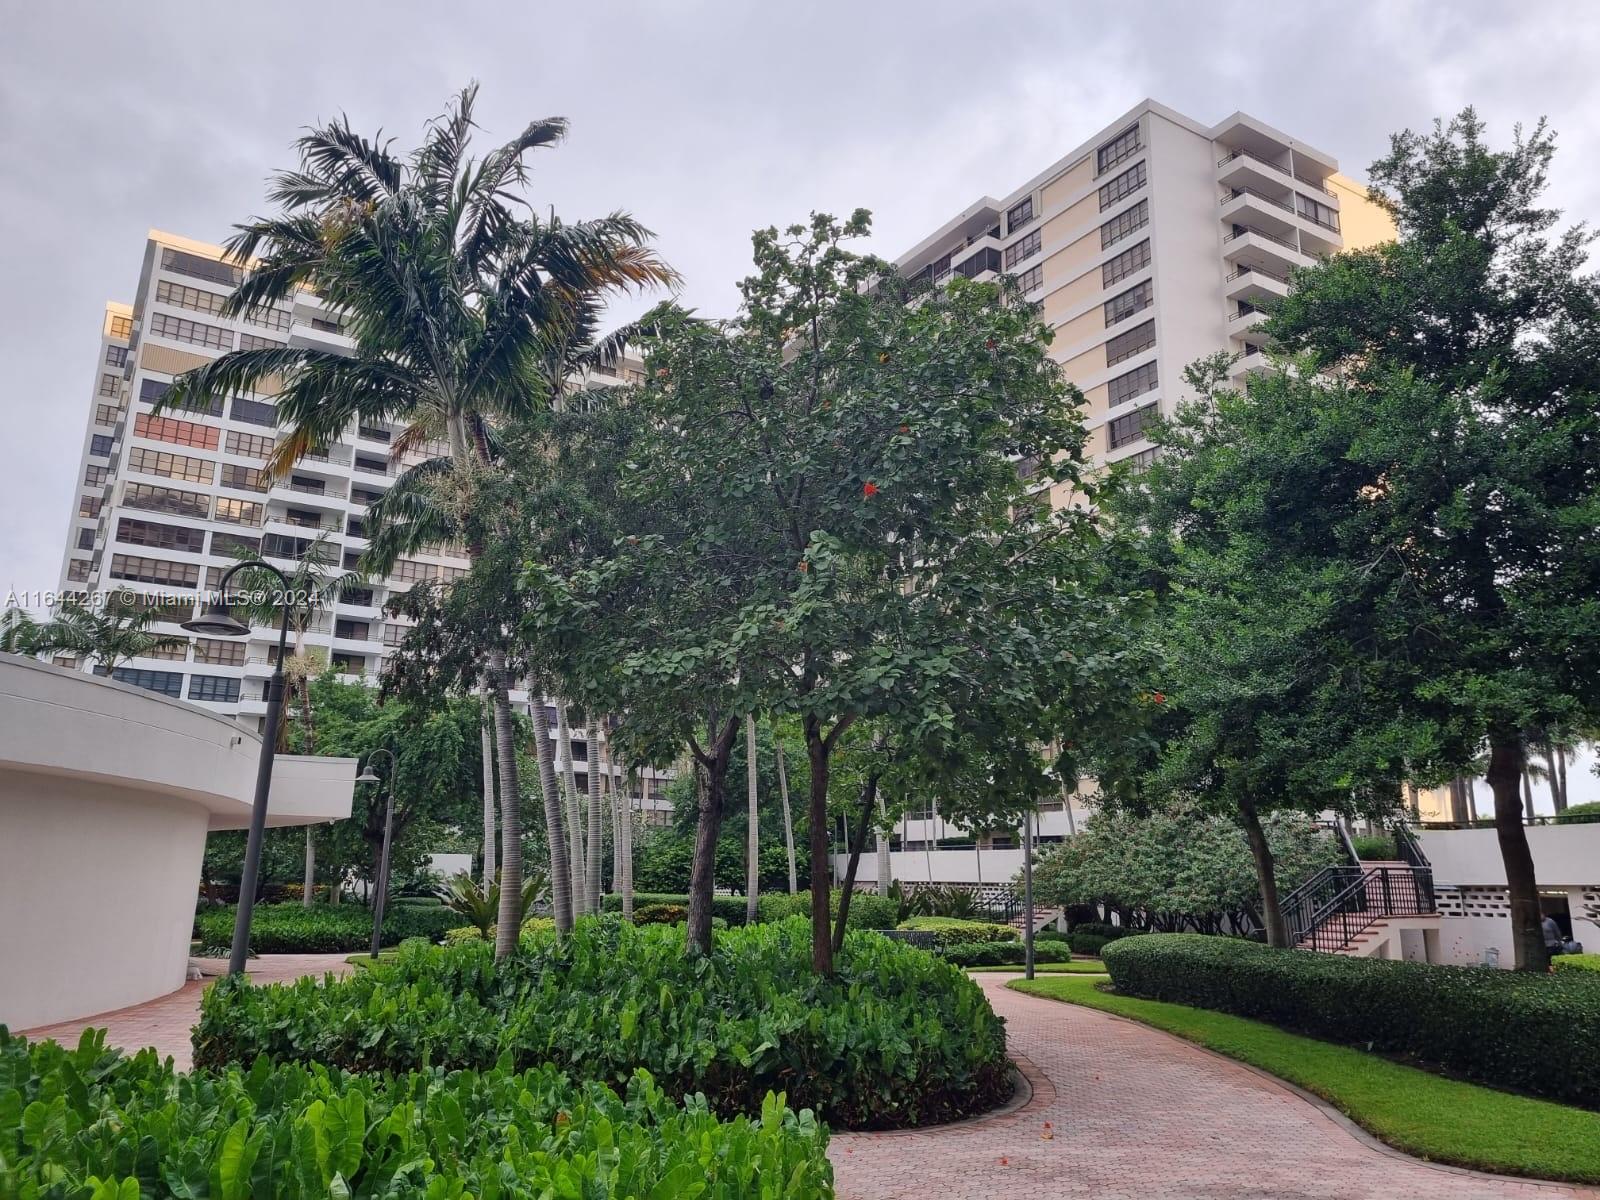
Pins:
<point x="1135" y="383"/>
<point x="1019" y="214"/>
<point x="253" y="412"/>
<point x="1135" y="341"/>
<point x="1119" y="149"/>
<point x="1131" y="426"/>
<point x="100" y="444"/>
<point x="165" y="683"/>
<point x="1135" y="258"/>
<point x="1135" y="300"/>
<point x="1129" y="182"/>
<point x="1124" y="223"/>
<point x="193" y="265"/>
<point x="218" y="689"/>
<point x="1023" y="250"/>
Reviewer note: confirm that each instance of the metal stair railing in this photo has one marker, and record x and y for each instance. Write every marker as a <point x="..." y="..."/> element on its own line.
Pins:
<point x="1338" y="904"/>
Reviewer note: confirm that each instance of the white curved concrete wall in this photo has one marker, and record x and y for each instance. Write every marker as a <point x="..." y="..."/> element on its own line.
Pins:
<point x="106" y="795"/>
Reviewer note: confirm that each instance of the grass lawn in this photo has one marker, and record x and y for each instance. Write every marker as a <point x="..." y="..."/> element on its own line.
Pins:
<point x="1086" y="966"/>
<point x="1415" y="1111"/>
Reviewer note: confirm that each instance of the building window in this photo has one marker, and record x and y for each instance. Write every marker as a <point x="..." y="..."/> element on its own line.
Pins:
<point x="116" y="356"/>
<point x="1025" y="249"/>
<point x="85" y="539"/>
<point x="231" y="545"/>
<point x="218" y="689"/>
<point x="254" y="341"/>
<point x="269" y="318"/>
<point x="1135" y="341"/>
<point x="1131" y="427"/>
<point x="1032" y="278"/>
<point x="1019" y="214"/>
<point x="1315" y="210"/>
<point x="152" y="390"/>
<point x="1138" y="464"/>
<point x="89" y="506"/>
<point x="354" y="630"/>
<point x="1135" y="300"/>
<point x="109" y="385"/>
<point x="197" y="267"/>
<point x="155" y="498"/>
<point x="164" y="683"/>
<point x="219" y="652"/>
<point x="94" y="476"/>
<point x="250" y="445"/>
<point x="173" y="466"/>
<point x="245" y="479"/>
<point x="394" y="634"/>
<point x="1118" y="150"/>
<point x="184" y="539"/>
<point x="409" y="570"/>
<point x="154" y="570"/>
<point x="1124" y="223"/>
<point x="106" y="414"/>
<point x="372" y="466"/>
<point x="350" y="664"/>
<point x="1135" y="258"/>
<point x="181" y="329"/>
<point x="78" y="570"/>
<point x="196" y="299"/>
<point x="326" y="326"/>
<point x="373" y="432"/>
<point x="180" y="433"/>
<point x="253" y="412"/>
<point x="1135" y="383"/>
<point x="122" y="327"/>
<point x="101" y="444"/>
<point x="987" y="259"/>
<point x="1126" y="184"/>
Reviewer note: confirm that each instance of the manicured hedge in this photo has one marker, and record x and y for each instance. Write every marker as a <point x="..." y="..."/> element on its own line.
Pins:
<point x="90" y="1124"/>
<point x="1532" y="1033"/>
<point x="953" y="931"/>
<point x="323" y="928"/>
<point x="1576" y="962"/>
<point x="729" y="908"/>
<point x="868" y="910"/>
<point x="1003" y="954"/>
<point x="1579" y="814"/>
<point x="896" y="1038"/>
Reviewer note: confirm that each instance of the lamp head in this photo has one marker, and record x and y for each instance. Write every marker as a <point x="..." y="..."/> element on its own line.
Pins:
<point x="217" y="621"/>
<point x="367" y="776"/>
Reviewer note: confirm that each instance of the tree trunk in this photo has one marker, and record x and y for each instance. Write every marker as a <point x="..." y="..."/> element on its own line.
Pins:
<point x="869" y="798"/>
<point x="885" y="865"/>
<point x="580" y="876"/>
<point x="1527" y="793"/>
<point x="752" y="841"/>
<point x="788" y="821"/>
<point x="488" y="798"/>
<point x="1266" y="876"/>
<point x="309" y="889"/>
<point x="1506" y="760"/>
<point x="555" y="827"/>
<point x="1557" y="776"/>
<point x="510" y="916"/>
<point x="626" y="886"/>
<point x="593" y="862"/>
<point x="817" y="753"/>
<point x="711" y="776"/>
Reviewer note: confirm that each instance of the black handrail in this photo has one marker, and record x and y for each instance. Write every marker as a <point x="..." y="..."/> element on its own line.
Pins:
<point x="1337" y="904"/>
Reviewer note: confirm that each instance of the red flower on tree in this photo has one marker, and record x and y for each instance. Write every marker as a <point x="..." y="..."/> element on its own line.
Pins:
<point x="869" y="489"/>
<point x="1159" y="697"/>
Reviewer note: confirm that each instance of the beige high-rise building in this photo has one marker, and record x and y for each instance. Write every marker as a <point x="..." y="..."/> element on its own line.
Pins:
<point x="1152" y="245"/>
<point x="166" y="503"/>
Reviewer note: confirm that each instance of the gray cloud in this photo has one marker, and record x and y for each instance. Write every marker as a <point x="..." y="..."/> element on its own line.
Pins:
<point x="704" y="119"/>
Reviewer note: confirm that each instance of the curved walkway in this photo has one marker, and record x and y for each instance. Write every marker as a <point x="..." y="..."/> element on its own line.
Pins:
<point x="165" y="1021"/>
<point x="1124" y="1112"/>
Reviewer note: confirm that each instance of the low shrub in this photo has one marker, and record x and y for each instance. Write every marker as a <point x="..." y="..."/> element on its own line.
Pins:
<point x="92" y="1123"/>
<point x="868" y="910"/>
<point x="660" y="914"/>
<point x="729" y="908"/>
<point x="471" y="933"/>
<point x="1101" y="929"/>
<point x="1004" y="954"/>
<point x="322" y="928"/>
<point x="952" y="931"/>
<point x="1051" y="935"/>
<point x="1532" y="1033"/>
<point x="1576" y="962"/>
<point x="895" y="1038"/>
<point x="1088" y="944"/>
<point x="1375" y="848"/>
<point x="1579" y="814"/>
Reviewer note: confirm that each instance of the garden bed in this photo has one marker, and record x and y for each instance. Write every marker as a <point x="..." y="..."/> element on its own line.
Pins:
<point x="322" y="928"/>
<point x="897" y="1038"/>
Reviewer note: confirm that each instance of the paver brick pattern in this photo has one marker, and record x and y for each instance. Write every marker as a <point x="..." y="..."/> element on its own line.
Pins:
<point x="1131" y="1113"/>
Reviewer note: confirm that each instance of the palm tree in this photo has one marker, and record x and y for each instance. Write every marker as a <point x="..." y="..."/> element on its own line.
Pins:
<point x="110" y="636"/>
<point x="465" y="307"/>
<point x="573" y="817"/>
<point x="783" y="794"/>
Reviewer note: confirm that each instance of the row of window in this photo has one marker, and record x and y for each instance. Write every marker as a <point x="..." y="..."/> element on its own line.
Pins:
<point x="109" y="385"/>
<point x="107" y="414"/>
<point x="1135" y="300"/>
<point x="121" y="328"/>
<point x="1019" y="214"/>
<point x="1118" y="150"/>
<point x="179" y="433"/>
<point x="1136" y="382"/>
<point x="1032" y="278"/>
<point x="1124" y="185"/>
<point x="1024" y="249"/>
<point x="116" y="356"/>
<point x="136" y="569"/>
<point x="196" y="333"/>
<point x="1130" y="426"/>
<point x="1135" y="341"/>
<point x="199" y="267"/>
<point x="152" y="497"/>
<point x="1120" y="266"/>
<point x="90" y="506"/>
<point x="183" y="539"/>
<point x="1124" y="223"/>
<point x="218" y="689"/>
<point x="100" y="444"/>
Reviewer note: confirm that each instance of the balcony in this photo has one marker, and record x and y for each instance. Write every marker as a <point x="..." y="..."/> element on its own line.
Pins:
<point x="316" y="524"/>
<point x="1256" y="248"/>
<point x="1254" y="284"/>
<point x="1249" y="206"/>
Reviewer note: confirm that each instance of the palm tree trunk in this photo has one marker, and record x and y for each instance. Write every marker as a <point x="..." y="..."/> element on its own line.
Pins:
<point x="555" y="827"/>
<point x="788" y="820"/>
<point x="817" y="752"/>
<point x="488" y="796"/>
<point x="847" y="889"/>
<point x="574" y="816"/>
<point x="752" y="841"/>
<point x="1527" y="794"/>
<point x="309" y="888"/>
<point x="626" y="830"/>
<point x="1556" y="775"/>
<point x="509" y="925"/>
<point x="594" y="861"/>
<point x="885" y="873"/>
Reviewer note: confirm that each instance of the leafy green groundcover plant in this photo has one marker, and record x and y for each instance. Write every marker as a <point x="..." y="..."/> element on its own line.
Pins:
<point x="1576" y="962"/>
<point x="953" y="931"/>
<point x="999" y="954"/>
<point x="1538" y="1034"/>
<point x="896" y="1038"/>
<point x="323" y="928"/>
<point x="91" y="1124"/>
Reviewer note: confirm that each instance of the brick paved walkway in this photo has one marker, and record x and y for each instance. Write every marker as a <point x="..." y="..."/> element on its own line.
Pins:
<point x="1124" y="1112"/>
<point x="165" y="1021"/>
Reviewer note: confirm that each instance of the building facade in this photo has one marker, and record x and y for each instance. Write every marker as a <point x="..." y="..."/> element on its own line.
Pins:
<point x="165" y="504"/>
<point x="1153" y="244"/>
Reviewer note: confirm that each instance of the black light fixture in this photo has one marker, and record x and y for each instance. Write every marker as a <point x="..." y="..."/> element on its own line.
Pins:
<point x="217" y="621"/>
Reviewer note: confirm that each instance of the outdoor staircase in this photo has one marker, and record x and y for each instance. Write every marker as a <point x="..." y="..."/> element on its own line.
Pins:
<point x="1042" y="918"/>
<point x="1357" y="910"/>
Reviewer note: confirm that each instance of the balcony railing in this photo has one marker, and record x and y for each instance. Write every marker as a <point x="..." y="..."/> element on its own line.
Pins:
<point x="1261" y="233"/>
<point x="1235" y="193"/>
<point x="1242" y="272"/>
<point x="1278" y="167"/>
<point x="333" y="454"/>
<point x="333" y="492"/>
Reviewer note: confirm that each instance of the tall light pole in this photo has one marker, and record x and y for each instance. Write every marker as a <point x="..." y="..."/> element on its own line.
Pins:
<point x="216" y="621"/>
<point x="382" y="897"/>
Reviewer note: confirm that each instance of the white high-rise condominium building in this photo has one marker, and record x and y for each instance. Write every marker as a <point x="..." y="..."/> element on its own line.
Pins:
<point x="1150" y="246"/>
<point x="165" y="503"/>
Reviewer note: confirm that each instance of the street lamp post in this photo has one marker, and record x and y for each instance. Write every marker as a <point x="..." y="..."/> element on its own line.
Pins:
<point x="216" y="621"/>
<point x="382" y="897"/>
